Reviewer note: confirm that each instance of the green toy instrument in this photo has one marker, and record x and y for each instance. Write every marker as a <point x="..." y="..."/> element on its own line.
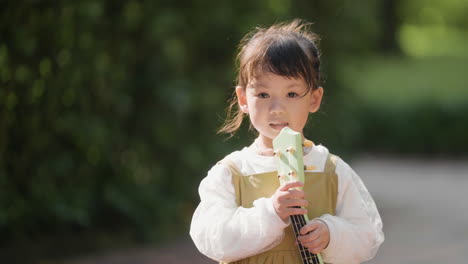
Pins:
<point x="288" y="148"/>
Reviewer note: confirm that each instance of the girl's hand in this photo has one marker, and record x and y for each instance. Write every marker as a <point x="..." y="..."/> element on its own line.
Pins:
<point x="315" y="236"/>
<point x="284" y="200"/>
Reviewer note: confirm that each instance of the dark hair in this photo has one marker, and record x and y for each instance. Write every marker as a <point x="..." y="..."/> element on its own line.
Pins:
<point x="286" y="49"/>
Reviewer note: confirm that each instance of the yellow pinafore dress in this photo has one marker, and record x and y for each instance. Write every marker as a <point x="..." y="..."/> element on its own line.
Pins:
<point x="321" y="189"/>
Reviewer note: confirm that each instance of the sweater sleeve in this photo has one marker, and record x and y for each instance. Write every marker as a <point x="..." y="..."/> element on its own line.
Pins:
<point x="356" y="230"/>
<point x="226" y="232"/>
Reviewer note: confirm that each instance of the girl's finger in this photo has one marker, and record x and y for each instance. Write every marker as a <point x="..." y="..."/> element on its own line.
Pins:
<point x="290" y="185"/>
<point x="311" y="226"/>
<point x="311" y="244"/>
<point x="294" y="193"/>
<point x="317" y="249"/>
<point x="295" y="202"/>
<point x="296" y="211"/>
<point x="310" y="237"/>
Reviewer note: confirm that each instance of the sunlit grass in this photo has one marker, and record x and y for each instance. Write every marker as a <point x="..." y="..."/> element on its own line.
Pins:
<point x="433" y="40"/>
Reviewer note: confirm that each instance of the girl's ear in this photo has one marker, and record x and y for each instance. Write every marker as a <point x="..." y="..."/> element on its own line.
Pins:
<point x="316" y="99"/>
<point x="242" y="99"/>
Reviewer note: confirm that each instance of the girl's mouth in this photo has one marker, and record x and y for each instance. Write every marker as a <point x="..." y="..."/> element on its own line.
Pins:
<point x="278" y="126"/>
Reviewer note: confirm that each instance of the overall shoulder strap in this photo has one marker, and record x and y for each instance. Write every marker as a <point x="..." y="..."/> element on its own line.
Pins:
<point x="232" y="166"/>
<point x="330" y="165"/>
<point x="330" y="170"/>
<point x="235" y="174"/>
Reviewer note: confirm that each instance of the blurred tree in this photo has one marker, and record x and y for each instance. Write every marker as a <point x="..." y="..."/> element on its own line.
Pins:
<point x="434" y="28"/>
<point x="390" y="26"/>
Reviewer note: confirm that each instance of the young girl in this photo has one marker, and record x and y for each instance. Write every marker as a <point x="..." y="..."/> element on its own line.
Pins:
<point x="243" y="216"/>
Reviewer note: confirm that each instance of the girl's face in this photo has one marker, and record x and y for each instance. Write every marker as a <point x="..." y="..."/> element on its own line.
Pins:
<point x="273" y="102"/>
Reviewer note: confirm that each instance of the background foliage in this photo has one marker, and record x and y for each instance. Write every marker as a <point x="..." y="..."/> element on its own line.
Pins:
<point x="108" y="109"/>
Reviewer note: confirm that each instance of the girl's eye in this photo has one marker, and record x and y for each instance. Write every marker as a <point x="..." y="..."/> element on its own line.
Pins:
<point x="263" y="95"/>
<point x="292" y="95"/>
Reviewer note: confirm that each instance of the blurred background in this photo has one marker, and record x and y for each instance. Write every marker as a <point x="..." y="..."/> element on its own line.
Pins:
<point x="109" y="111"/>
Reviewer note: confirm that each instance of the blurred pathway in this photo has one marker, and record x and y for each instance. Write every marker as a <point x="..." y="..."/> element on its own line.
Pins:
<point x="181" y="251"/>
<point x="422" y="202"/>
<point x="424" y="208"/>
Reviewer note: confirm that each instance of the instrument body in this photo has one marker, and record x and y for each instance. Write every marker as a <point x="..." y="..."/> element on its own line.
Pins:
<point x="288" y="147"/>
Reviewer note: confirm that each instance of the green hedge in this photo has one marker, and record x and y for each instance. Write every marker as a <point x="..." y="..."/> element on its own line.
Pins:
<point x="104" y="107"/>
<point x="406" y="105"/>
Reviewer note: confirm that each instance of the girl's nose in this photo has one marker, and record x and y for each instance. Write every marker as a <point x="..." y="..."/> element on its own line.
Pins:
<point x="276" y="107"/>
